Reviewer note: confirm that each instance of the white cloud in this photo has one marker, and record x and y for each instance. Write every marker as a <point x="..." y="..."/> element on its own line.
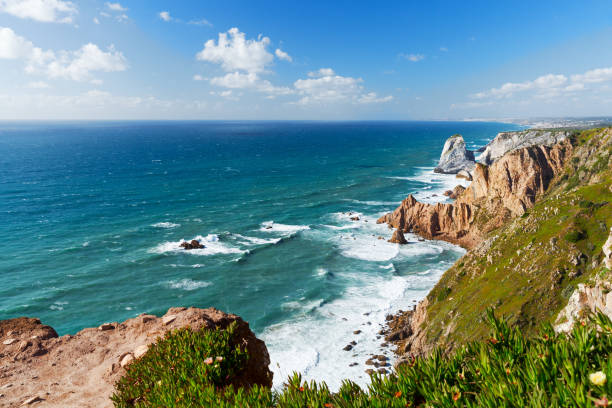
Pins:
<point x="372" y="97"/>
<point x="198" y="77"/>
<point x="594" y="76"/>
<point x="413" y="57"/>
<point x="13" y="46"/>
<point x="38" y="85"/>
<point x="321" y="73"/>
<point x="115" y="6"/>
<point x="202" y="22"/>
<point x="280" y="54"/>
<point x="238" y="80"/>
<point x="544" y="82"/>
<point x="165" y="15"/>
<point x="324" y="87"/>
<point x="75" y="65"/>
<point x="96" y="21"/>
<point x="235" y="53"/>
<point x="47" y="11"/>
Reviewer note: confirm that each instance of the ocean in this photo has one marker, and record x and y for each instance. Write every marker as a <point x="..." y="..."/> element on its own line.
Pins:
<point x="92" y="215"/>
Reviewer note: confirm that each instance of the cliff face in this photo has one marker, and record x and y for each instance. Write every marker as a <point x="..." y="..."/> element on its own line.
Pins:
<point x="506" y="142"/>
<point x="455" y="157"/>
<point x="81" y="370"/>
<point x="498" y="192"/>
<point x="554" y="254"/>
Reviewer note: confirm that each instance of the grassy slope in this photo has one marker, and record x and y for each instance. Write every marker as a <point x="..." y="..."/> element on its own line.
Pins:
<point x="529" y="271"/>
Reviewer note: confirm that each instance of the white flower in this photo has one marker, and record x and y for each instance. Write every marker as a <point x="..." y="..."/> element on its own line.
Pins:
<point x="598" y="378"/>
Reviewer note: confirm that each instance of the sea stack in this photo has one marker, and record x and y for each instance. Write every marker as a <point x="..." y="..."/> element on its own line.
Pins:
<point x="455" y="157"/>
<point x="398" y="237"/>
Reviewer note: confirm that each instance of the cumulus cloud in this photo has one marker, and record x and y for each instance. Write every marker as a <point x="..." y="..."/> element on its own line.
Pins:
<point x="75" y="65"/>
<point x="165" y="15"/>
<point x="594" y="76"/>
<point x="48" y="11"/>
<point x="413" y="57"/>
<point x="198" y="77"/>
<point x="544" y="82"/>
<point x="235" y="53"/>
<point x="115" y="6"/>
<point x="324" y="87"/>
<point x="280" y="54"/>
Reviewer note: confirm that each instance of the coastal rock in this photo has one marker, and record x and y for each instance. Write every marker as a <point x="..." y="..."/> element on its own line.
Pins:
<point x="506" y="142"/>
<point x="398" y="237"/>
<point x="584" y="299"/>
<point x="464" y="174"/>
<point x="194" y="244"/>
<point x="503" y="190"/>
<point x="607" y="250"/>
<point x="455" y="157"/>
<point x="457" y="191"/>
<point x="82" y="369"/>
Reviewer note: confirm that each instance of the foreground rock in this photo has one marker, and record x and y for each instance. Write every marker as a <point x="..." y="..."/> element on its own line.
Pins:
<point x="81" y="370"/>
<point x="508" y="141"/>
<point x="498" y="192"/>
<point x="455" y="157"/>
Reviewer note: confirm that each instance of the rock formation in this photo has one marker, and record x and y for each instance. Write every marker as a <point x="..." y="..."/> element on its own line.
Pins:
<point x="508" y="141"/>
<point x="398" y="237"/>
<point x="505" y="189"/>
<point x="607" y="251"/>
<point x="81" y="370"/>
<point x="194" y="244"/>
<point x="455" y="157"/>
<point x="584" y="300"/>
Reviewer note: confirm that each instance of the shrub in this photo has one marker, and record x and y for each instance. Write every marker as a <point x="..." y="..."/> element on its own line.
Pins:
<point x="574" y="236"/>
<point x="506" y="370"/>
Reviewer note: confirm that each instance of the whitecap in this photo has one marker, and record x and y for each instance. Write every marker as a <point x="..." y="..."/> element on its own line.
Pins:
<point x="258" y="241"/>
<point x="271" y="226"/>
<point x="212" y="246"/>
<point x="187" y="284"/>
<point x="166" y="225"/>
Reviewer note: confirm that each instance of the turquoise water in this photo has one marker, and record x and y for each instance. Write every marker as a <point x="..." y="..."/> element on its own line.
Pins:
<point x="92" y="215"/>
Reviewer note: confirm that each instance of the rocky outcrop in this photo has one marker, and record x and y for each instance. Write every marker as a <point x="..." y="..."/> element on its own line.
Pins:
<point x="194" y="244"/>
<point x="81" y="370"/>
<point x="455" y="157"/>
<point x="398" y="237"/>
<point x="500" y="191"/>
<point x="506" y="142"/>
<point x="607" y="251"/>
<point x="582" y="302"/>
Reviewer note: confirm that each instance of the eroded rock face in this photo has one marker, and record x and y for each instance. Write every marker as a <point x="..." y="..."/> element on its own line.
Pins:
<point x="503" y="190"/>
<point x="455" y="157"/>
<point x="398" y="237"/>
<point x="508" y="141"/>
<point x="583" y="301"/>
<point x="81" y="370"/>
<point x="607" y="250"/>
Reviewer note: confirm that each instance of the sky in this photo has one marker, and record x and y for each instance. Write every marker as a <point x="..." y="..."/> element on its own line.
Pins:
<point x="314" y="60"/>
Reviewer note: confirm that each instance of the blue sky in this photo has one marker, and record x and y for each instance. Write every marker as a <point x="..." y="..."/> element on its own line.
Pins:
<point x="150" y="59"/>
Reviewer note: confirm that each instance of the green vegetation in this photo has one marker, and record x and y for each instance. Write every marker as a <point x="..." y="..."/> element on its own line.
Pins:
<point x="532" y="265"/>
<point x="506" y="370"/>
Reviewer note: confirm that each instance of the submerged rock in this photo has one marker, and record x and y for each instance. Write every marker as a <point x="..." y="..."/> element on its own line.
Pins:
<point x="455" y="157"/>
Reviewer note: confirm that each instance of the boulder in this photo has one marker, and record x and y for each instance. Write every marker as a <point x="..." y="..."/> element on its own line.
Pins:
<point x="455" y="157"/>
<point x="194" y="244"/>
<point x="398" y="237"/>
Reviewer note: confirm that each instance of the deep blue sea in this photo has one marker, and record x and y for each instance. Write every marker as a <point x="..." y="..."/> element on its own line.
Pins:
<point x="92" y="215"/>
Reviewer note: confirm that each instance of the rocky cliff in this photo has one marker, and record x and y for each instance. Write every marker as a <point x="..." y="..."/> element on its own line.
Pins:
<point x="549" y="254"/>
<point x="497" y="193"/>
<point x="506" y="142"/>
<point x="455" y="157"/>
<point x="37" y="366"/>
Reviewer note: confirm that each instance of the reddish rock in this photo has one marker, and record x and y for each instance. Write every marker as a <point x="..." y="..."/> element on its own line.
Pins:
<point x="398" y="237"/>
<point x="194" y="244"/>
<point x="82" y="369"/>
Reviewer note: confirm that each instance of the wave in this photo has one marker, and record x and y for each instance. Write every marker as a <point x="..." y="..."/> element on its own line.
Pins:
<point x="187" y="284"/>
<point x="271" y="226"/>
<point x="212" y="246"/>
<point x="167" y="225"/>
<point x="258" y="241"/>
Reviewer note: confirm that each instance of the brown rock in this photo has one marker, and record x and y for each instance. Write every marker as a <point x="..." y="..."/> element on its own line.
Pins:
<point x="82" y="369"/>
<point x="8" y="342"/>
<point x="505" y="189"/>
<point x="106" y="326"/>
<point x="398" y="237"/>
<point x="194" y="244"/>
<point x="354" y="218"/>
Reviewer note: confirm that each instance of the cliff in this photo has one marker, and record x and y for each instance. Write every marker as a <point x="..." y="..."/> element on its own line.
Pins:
<point x="455" y="157"/>
<point x="506" y="142"/>
<point x="81" y="370"/>
<point x="497" y="193"/>
<point x="547" y="253"/>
